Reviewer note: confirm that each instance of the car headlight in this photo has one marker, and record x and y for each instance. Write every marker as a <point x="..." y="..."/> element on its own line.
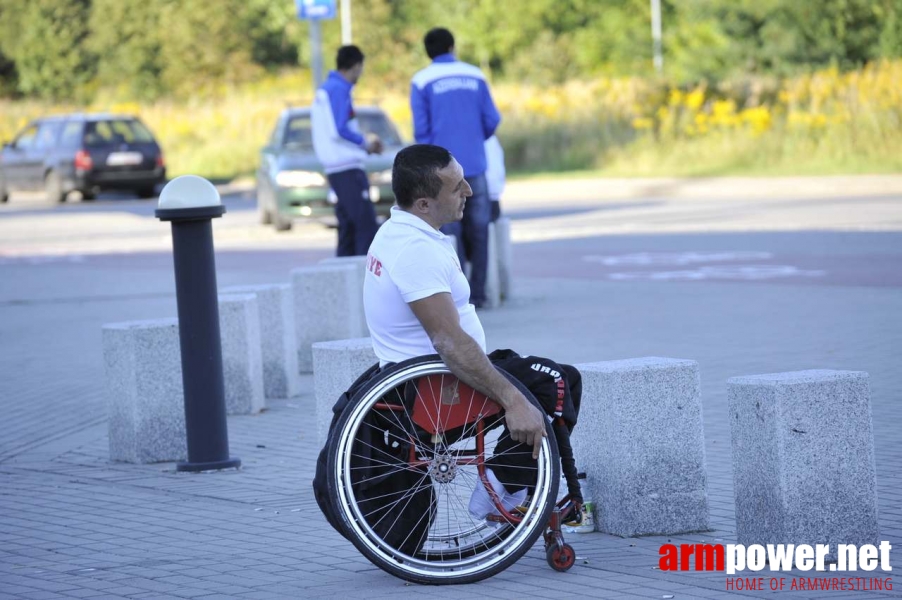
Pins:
<point x="300" y="179"/>
<point x="380" y="177"/>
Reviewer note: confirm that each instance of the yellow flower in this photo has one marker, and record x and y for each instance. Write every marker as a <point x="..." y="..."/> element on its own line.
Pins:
<point x="695" y="99"/>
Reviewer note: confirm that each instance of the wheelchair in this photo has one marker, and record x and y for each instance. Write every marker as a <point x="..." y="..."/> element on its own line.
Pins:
<point x="413" y="471"/>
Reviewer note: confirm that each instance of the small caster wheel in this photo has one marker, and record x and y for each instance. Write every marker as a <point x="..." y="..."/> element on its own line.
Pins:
<point x="560" y="559"/>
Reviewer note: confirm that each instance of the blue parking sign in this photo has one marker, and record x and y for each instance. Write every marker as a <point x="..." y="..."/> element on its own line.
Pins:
<point x="315" y="9"/>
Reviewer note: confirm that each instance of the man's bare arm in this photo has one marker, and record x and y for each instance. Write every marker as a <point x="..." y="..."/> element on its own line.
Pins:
<point x="468" y="362"/>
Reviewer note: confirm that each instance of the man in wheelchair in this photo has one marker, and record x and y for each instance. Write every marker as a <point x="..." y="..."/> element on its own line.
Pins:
<point x="437" y="466"/>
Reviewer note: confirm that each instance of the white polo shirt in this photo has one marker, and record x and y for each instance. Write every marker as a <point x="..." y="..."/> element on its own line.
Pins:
<point x="410" y="260"/>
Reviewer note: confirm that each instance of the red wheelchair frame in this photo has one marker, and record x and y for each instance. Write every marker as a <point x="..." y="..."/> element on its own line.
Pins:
<point x="431" y="409"/>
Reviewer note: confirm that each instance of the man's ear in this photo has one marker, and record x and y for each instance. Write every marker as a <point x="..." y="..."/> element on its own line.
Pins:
<point x="421" y="205"/>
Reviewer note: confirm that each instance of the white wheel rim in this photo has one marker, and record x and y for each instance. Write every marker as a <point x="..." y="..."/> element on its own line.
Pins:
<point x="459" y="566"/>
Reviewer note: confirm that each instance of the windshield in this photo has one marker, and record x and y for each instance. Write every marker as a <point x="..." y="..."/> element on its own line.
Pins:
<point x="101" y="133"/>
<point x="298" y="134"/>
<point x="380" y="125"/>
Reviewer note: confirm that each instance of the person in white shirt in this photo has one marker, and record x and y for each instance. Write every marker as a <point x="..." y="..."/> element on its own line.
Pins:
<point x="416" y="297"/>
<point x="494" y="174"/>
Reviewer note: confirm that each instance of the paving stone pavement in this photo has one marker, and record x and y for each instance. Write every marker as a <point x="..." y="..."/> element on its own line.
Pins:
<point x="74" y="525"/>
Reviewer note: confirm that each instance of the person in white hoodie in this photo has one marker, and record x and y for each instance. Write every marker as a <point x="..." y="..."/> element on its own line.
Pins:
<point x="494" y="174"/>
<point x="342" y="150"/>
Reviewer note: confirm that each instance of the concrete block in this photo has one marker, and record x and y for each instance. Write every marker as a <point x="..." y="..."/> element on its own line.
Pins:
<point x="328" y="305"/>
<point x="504" y="252"/>
<point x="145" y="397"/>
<point x="277" y="336"/>
<point x="492" y="276"/>
<point x="803" y="458"/>
<point x="242" y="358"/>
<point x="358" y="262"/>
<point x="336" y="365"/>
<point x="640" y="441"/>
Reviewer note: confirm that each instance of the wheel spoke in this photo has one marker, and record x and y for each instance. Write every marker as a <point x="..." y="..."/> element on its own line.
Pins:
<point x="443" y="542"/>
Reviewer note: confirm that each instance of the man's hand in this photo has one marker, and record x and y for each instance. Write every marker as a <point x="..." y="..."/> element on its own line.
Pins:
<point x="526" y="424"/>
<point x="373" y="144"/>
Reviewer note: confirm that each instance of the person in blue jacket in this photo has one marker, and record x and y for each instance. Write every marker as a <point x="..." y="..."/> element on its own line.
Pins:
<point x="453" y="108"/>
<point x="342" y="150"/>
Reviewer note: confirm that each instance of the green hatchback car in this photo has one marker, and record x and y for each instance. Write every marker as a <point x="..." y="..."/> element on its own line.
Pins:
<point x="290" y="181"/>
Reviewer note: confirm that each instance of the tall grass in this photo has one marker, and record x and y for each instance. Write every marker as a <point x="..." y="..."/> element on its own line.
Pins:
<point x="823" y="123"/>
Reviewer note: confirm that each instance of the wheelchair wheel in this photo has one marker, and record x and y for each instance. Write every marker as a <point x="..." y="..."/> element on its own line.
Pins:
<point x="407" y="458"/>
<point x="560" y="559"/>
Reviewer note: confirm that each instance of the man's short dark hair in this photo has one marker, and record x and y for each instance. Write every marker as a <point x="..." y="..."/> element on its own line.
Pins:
<point x="415" y="173"/>
<point x="348" y="57"/>
<point x="438" y="41"/>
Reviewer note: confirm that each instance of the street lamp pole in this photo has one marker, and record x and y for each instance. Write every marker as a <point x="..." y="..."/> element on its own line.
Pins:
<point x="345" y="22"/>
<point x="656" y="35"/>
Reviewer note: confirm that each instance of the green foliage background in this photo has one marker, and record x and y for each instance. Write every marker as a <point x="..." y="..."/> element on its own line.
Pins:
<point x="74" y="50"/>
<point x="748" y="87"/>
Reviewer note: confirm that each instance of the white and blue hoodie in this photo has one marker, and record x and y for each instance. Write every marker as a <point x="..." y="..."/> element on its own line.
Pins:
<point x="337" y="140"/>
<point x="453" y="108"/>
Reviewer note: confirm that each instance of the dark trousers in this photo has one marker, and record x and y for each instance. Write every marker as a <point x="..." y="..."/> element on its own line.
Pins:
<point x="356" y="214"/>
<point x="472" y="234"/>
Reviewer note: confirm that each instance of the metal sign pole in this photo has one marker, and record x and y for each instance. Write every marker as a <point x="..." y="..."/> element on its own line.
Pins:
<point x="314" y="11"/>
<point x="656" y="35"/>
<point x="316" y="45"/>
<point x="345" y="22"/>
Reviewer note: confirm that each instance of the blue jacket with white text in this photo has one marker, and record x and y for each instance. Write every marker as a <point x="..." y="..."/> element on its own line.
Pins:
<point x="453" y="108"/>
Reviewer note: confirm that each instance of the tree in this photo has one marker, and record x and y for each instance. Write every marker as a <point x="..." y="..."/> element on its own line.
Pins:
<point x="46" y="41"/>
<point x="125" y="36"/>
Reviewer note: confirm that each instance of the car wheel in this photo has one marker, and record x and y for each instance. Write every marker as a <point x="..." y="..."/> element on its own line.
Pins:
<point x="4" y="195"/>
<point x="146" y="192"/>
<point x="53" y="187"/>
<point x="88" y="196"/>
<point x="281" y="223"/>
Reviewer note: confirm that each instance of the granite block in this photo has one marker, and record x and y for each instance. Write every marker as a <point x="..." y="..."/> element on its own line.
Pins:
<point x="492" y="280"/>
<point x="327" y="306"/>
<point x="336" y="365"/>
<point x="277" y="337"/>
<point x="145" y="397"/>
<point x="803" y="458"/>
<point x="359" y="263"/>
<point x="640" y="441"/>
<point x="242" y="358"/>
<point x="504" y="252"/>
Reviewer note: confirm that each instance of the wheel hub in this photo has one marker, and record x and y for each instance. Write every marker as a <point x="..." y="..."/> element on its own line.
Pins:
<point x="443" y="468"/>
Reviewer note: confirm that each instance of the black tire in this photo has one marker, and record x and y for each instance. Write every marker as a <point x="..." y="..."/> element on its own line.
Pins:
<point x="4" y="195"/>
<point x="146" y="192"/>
<point x="482" y="550"/>
<point x="87" y="196"/>
<point x="264" y="216"/>
<point x="560" y="559"/>
<point x="281" y="223"/>
<point x="53" y="188"/>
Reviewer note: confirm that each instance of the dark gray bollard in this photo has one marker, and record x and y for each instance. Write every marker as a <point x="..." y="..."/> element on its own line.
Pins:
<point x="189" y="203"/>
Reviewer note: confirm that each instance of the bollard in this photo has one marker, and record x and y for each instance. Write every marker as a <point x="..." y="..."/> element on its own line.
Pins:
<point x="189" y="203"/>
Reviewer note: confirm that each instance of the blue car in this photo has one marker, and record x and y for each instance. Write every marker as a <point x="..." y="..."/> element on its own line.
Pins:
<point x="85" y="153"/>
